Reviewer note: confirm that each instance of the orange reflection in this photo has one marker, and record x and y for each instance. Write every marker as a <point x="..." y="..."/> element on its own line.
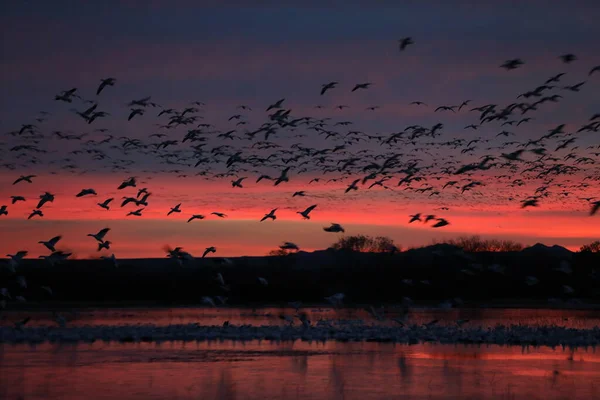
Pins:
<point x="295" y="370"/>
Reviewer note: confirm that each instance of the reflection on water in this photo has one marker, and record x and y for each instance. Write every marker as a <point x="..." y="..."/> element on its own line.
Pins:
<point x="580" y="319"/>
<point x="295" y="370"/>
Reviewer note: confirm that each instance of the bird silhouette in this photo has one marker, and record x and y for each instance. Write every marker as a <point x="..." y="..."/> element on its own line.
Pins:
<point x="595" y="206"/>
<point x="100" y="235"/>
<point x="105" y="203"/>
<point x="175" y="209"/>
<point x="334" y="228"/>
<point x="24" y="178"/>
<point x="50" y="244"/>
<point x="306" y="213"/>
<point x="361" y="86"/>
<point x="327" y="86"/>
<point x="512" y="64"/>
<point x="405" y="42"/>
<point x="209" y="250"/>
<point x="104" y="83"/>
<point x="195" y="216"/>
<point x="271" y="215"/>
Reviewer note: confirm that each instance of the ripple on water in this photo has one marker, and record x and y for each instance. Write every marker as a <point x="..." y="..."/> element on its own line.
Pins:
<point x="295" y="370"/>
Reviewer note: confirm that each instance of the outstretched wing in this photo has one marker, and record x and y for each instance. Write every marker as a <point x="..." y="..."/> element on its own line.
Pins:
<point x="595" y="207"/>
<point x="103" y="232"/>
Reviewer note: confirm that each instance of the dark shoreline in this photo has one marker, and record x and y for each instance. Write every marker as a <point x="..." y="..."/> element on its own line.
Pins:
<point x="427" y="276"/>
<point x="513" y="335"/>
<point x="60" y="306"/>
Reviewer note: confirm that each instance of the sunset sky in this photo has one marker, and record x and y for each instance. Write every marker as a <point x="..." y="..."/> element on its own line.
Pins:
<point x="227" y="55"/>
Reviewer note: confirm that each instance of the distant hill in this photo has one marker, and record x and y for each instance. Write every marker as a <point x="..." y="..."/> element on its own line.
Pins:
<point x="553" y="251"/>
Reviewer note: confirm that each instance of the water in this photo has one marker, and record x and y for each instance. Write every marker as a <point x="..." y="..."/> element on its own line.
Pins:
<point x="253" y="370"/>
<point x="297" y="370"/>
<point x="580" y="319"/>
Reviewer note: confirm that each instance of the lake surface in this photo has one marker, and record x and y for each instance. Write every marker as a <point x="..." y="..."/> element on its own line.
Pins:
<point x="485" y="317"/>
<point x="297" y="370"/>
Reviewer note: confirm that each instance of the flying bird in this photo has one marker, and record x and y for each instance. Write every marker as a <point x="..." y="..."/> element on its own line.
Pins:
<point x="196" y="216"/>
<point x="334" y="228"/>
<point x="325" y="87"/>
<point x="352" y="186"/>
<point x="283" y="177"/>
<point x="595" y="206"/>
<point x="134" y="112"/>
<point x="100" y="235"/>
<point x="270" y="215"/>
<point x="24" y="178"/>
<point x="405" y="42"/>
<point x="238" y="182"/>
<point x="260" y="178"/>
<point x="210" y="249"/>
<point x="131" y="182"/>
<point x="429" y="218"/>
<point x="50" y="244"/>
<point x="568" y="58"/>
<point x="530" y="203"/>
<point x="104" y="245"/>
<point x="413" y="218"/>
<point x="361" y="86"/>
<point x="512" y="64"/>
<point x="277" y="104"/>
<point x="104" y="83"/>
<point x="136" y="213"/>
<point x="175" y="209"/>
<point x="85" y="192"/>
<point x="440" y="222"/>
<point x="45" y="198"/>
<point x="105" y="203"/>
<point x="305" y="213"/>
<point x="34" y="213"/>
<point x="289" y="246"/>
<point x="262" y="281"/>
<point x="17" y="198"/>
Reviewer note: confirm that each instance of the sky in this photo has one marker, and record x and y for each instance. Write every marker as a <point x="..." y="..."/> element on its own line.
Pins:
<point x="227" y="54"/>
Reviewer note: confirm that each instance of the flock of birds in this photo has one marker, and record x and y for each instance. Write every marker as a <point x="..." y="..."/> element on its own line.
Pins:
<point x="423" y="159"/>
<point x="383" y="328"/>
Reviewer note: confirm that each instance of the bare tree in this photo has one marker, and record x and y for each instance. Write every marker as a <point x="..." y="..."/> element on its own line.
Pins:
<point x="472" y="244"/>
<point x="365" y="243"/>
<point x="593" y="247"/>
